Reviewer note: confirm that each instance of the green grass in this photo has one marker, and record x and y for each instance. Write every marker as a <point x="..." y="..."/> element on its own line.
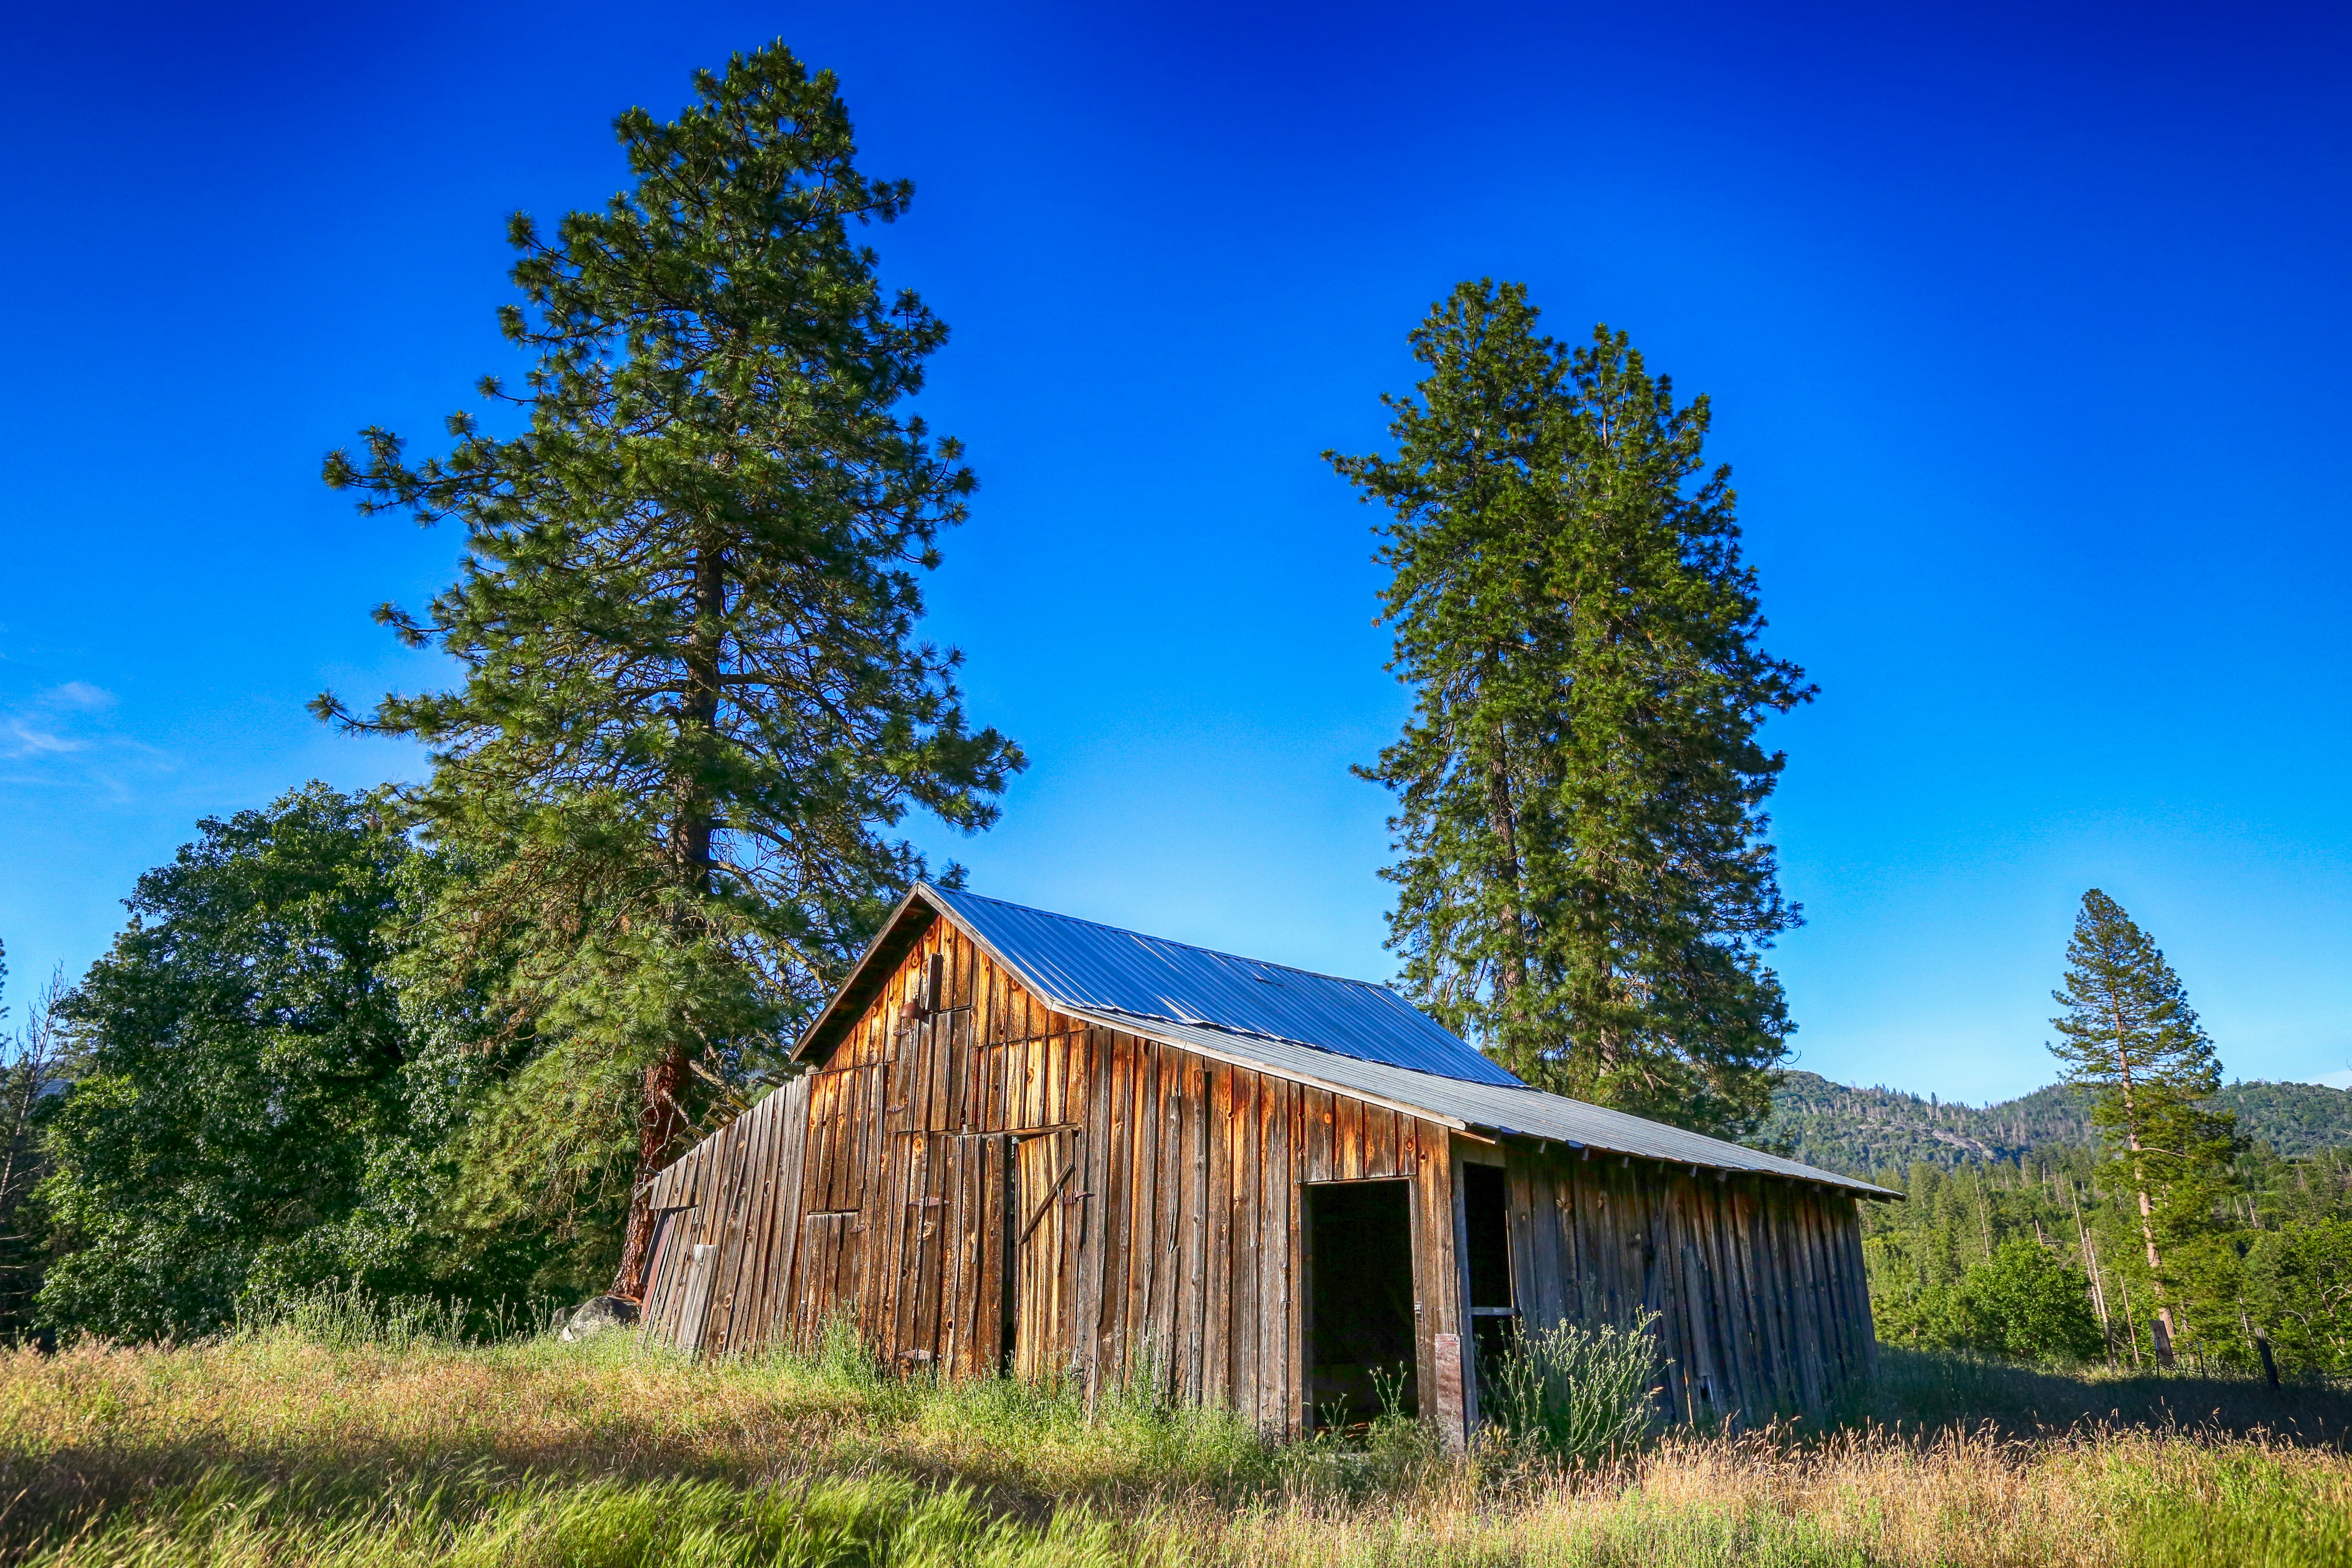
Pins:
<point x="305" y="1442"/>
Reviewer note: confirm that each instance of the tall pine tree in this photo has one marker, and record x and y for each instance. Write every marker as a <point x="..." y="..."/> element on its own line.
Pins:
<point x="2131" y="1040"/>
<point x="693" y="704"/>
<point x="1584" y="886"/>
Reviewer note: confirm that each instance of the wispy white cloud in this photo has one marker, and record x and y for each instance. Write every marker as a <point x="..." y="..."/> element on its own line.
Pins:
<point x="60" y="736"/>
<point x="43" y="725"/>
<point x="2342" y="1079"/>
<point x="79" y="695"/>
<point x="23" y="736"/>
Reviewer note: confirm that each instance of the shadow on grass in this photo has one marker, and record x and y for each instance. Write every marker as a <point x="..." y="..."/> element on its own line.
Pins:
<point x="1921" y="1391"/>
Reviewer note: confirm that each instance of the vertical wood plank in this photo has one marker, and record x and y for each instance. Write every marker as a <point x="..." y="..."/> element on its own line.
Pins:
<point x="1317" y="1124"/>
<point x="1348" y="1138"/>
<point x="1273" y="1257"/>
<point x="1247" y="1174"/>
<point x="1085" y="1345"/>
<point x="1168" y="1229"/>
<point x="1194" y="1155"/>
<point x="1439" y="1345"/>
<point x="1143" y="1211"/>
<point x="1110" y="1327"/>
<point x="1216" y="1351"/>
<point x="1294" y="1414"/>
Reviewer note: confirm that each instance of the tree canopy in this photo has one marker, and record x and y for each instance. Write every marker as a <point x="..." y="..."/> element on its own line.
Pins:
<point x="241" y="1070"/>
<point x="1584" y="886"/>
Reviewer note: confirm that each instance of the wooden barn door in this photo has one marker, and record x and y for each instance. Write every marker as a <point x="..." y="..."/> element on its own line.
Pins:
<point x="1046" y="1182"/>
<point x="949" y="1274"/>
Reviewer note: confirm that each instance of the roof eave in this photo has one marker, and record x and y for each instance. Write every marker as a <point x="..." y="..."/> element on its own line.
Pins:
<point x="884" y="937"/>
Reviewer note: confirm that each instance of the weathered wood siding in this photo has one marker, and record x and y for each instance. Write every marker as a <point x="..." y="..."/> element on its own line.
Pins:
<point x="729" y="1213"/>
<point x="885" y="1188"/>
<point x="1173" y="1255"/>
<point x="1758" y="1281"/>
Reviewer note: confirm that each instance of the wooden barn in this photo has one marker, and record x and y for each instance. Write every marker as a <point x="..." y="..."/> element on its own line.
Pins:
<point x="1036" y="1145"/>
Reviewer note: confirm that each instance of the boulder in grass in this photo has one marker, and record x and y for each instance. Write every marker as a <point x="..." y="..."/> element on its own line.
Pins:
<point x="600" y="1314"/>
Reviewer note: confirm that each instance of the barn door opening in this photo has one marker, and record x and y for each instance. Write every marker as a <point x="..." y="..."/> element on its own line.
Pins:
<point x="1486" y="1248"/>
<point x="1359" y="1319"/>
<point x="1041" y="1259"/>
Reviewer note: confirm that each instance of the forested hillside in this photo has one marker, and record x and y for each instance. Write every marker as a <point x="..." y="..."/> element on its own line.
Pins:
<point x="1865" y="1129"/>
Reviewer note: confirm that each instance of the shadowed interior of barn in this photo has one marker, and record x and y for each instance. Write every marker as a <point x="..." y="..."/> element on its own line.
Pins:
<point x="1030" y="1145"/>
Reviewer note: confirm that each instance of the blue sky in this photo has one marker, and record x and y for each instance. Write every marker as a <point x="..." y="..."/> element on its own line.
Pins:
<point x="2024" y="327"/>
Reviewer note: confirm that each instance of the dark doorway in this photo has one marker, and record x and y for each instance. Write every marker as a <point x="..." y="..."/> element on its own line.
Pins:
<point x="1486" y="1227"/>
<point x="1360" y="1318"/>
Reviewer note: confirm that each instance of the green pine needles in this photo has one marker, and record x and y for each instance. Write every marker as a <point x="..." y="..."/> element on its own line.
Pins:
<point x="693" y="705"/>
<point x="1584" y="886"/>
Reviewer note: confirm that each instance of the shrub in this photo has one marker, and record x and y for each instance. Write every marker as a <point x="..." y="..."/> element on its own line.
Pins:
<point x="2027" y="1305"/>
<point x="2299" y="1280"/>
<point x="2024" y="1304"/>
<point x="1572" y="1393"/>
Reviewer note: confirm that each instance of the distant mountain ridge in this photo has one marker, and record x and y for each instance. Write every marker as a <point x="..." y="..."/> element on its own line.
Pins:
<point x="1863" y="1131"/>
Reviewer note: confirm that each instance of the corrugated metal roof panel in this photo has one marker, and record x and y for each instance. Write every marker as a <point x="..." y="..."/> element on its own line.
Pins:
<point x="1081" y="964"/>
<point x="1512" y="1107"/>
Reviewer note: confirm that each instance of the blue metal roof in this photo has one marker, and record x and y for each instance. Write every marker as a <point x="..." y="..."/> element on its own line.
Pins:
<point x="1104" y="969"/>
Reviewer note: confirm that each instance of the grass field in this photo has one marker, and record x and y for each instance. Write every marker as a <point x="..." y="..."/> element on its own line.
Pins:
<point x="282" y="1447"/>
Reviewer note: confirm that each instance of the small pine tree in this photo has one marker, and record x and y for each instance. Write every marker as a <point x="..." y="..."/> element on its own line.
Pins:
<point x="1584" y="886"/>
<point x="692" y="698"/>
<point x="2132" y="1042"/>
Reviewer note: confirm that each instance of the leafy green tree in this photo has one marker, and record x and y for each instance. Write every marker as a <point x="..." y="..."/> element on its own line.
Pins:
<point x="241" y="1070"/>
<point x="2133" y="1042"/>
<point x="1584" y="886"/>
<point x="2029" y="1306"/>
<point x="692" y="700"/>
<point x="2299" y="1285"/>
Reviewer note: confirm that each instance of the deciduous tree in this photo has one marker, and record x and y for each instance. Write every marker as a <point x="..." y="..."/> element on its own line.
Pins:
<point x="35" y="1068"/>
<point x="240" y="1070"/>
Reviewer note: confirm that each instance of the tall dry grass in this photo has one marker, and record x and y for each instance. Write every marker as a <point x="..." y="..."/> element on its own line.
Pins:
<point x="277" y="1448"/>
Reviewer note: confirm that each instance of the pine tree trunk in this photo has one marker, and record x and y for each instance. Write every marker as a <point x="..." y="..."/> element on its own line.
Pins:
<point x="1502" y="821"/>
<point x="1511" y="973"/>
<point x="2161" y="1330"/>
<point x="2162" y="1327"/>
<point x="661" y="1117"/>
<point x="660" y="1120"/>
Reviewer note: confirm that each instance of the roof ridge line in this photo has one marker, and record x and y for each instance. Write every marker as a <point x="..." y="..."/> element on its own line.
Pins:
<point x="1172" y="942"/>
